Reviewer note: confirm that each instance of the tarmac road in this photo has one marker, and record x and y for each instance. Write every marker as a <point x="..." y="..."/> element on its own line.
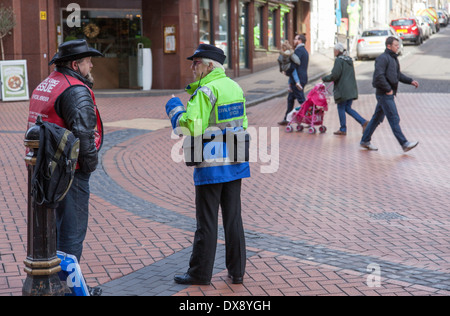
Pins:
<point x="428" y="63"/>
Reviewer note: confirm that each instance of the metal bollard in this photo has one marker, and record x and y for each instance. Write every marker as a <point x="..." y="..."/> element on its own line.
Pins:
<point x="42" y="263"/>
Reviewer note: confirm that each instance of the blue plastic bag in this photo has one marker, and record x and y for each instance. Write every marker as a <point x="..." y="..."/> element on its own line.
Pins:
<point x="71" y="275"/>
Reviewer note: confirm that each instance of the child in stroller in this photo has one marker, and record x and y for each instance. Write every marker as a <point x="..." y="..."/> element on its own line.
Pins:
<point x="311" y="112"/>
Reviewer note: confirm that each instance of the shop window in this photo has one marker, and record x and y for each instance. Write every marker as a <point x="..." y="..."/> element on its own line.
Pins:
<point x="221" y="39"/>
<point x="272" y="28"/>
<point x="243" y="34"/>
<point x="284" y="23"/>
<point x="205" y="21"/>
<point x="258" y="29"/>
<point x="115" y="33"/>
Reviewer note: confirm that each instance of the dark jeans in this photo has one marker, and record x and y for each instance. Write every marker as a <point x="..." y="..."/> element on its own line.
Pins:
<point x="346" y="107"/>
<point x="385" y="107"/>
<point x="296" y="94"/>
<point x="72" y="216"/>
<point x="207" y="200"/>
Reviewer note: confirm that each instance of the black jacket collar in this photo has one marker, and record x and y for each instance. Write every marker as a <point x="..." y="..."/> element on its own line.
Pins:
<point x="390" y="52"/>
<point x="70" y="72"/>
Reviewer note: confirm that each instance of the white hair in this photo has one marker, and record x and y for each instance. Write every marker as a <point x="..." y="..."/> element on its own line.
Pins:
<point x="215" y="64"/>
<point x="341" y="49"/>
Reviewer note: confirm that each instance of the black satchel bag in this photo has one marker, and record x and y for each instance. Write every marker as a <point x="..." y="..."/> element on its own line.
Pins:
<point x="55" y="164"/>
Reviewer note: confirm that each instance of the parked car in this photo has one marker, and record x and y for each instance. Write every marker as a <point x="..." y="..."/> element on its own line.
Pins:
<point x="372" y="42"/>
<point x="408" y="29"/>
<point x="443" y="18"/>
<point x="432" y="14"/>
<point x="426" y="28"/>
<point x="430" y="23"/>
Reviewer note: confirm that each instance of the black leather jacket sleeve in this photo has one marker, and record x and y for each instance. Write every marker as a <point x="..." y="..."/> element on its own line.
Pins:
<point x="76" y="107"/>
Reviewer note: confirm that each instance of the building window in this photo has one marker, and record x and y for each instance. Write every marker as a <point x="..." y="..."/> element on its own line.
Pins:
<point x="205" y="21"/>
<point x="222" y="37"/>
<point x="116" y="33"/>
<point x="284" y="23"/>
<point x="243" y="34"/>
<point x="258" y="29"/>
<point x="272" y="28"/>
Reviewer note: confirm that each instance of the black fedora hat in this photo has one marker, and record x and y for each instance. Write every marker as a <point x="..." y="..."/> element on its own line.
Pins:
<point x="73" y="50"/>
<point x="209" y="51"/>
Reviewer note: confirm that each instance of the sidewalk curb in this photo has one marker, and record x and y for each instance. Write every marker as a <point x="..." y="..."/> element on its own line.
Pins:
<point x="283" y="92"/>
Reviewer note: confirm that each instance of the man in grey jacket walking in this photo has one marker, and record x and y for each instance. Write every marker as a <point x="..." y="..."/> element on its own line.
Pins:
<point x="386" y="77"/>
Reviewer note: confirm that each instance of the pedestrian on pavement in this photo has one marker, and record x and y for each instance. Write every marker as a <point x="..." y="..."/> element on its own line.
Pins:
<point x="297" y="92"/>
<point x="285" y="60"/>
<point x="345" y="88"/>
<point x="65" y="98"/>
<point x="386" y="77"/>
<point x="217" y="104"/>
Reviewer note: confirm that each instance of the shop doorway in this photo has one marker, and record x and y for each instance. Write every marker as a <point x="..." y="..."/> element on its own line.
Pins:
<point x="115" y="33"/>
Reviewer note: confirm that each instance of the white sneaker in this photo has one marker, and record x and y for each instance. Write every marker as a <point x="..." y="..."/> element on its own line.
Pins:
<point x="368" y="146"/>
<point x="409" y="145"/>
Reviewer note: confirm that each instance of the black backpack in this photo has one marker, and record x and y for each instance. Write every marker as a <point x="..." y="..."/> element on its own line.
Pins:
<point x="56" y="162"/>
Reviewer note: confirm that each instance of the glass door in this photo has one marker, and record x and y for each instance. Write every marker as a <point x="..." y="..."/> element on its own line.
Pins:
<point x="115" y="33"/>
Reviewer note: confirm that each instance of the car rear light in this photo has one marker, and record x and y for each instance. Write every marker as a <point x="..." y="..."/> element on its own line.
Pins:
<point x="360" y="40"/>
<point x="414" y="28"/>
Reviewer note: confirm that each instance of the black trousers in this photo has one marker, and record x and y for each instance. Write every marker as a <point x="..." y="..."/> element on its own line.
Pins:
<point x="72" y="215"/>
<point x="207" y="200"/>
<point x="296" y="94"/>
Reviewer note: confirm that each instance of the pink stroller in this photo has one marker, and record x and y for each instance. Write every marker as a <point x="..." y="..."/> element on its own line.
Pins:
<point x="311" y="112"/>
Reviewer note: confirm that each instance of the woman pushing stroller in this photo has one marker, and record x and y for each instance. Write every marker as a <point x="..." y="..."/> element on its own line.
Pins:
<point x="345" y="88"/>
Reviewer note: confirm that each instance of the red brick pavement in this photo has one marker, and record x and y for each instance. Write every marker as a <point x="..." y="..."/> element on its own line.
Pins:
<point x="326" y="191"/>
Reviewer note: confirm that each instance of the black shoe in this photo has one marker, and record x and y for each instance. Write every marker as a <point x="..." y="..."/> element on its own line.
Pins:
<point x="187" y="279"/>
<point x="236" y="280"/>
<point x="95" y="291"/>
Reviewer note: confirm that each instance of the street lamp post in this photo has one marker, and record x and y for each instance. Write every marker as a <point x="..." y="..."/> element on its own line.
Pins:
<point x="42" y="263"/>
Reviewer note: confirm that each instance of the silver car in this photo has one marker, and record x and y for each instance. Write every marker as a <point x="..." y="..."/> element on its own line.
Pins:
<point x="443" y="18"/>
<point x="430" y="23"/>
<point x="372" y="42"/>
<point x="426" y="28"/>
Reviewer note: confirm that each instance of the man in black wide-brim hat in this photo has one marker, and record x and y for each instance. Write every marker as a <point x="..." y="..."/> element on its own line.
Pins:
<point x="65" y="98"/>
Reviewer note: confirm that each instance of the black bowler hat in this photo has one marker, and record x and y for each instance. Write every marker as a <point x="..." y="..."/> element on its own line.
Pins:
<point x="209" y="51"/>
<point x="73" y="50"/>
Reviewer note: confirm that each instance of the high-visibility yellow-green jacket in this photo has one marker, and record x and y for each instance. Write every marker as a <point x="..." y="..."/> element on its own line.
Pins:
<point x="217" y="104"/>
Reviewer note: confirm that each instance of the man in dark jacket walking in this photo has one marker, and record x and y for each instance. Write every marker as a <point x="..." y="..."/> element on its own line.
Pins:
<point x="296" y="92"/>
<point x="386" y="77"/>
<point x="345" y="88"/>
